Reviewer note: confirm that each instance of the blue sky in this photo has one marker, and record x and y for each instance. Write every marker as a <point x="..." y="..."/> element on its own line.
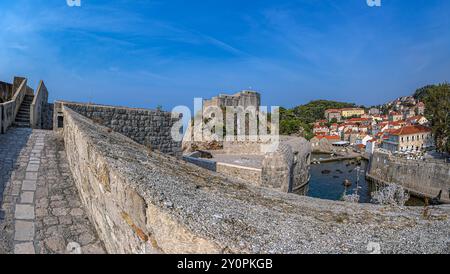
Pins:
<point x="147" y="53"/>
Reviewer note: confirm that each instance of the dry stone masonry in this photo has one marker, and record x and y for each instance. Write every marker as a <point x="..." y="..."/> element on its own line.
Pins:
<point x="424" y="178"/>
<point x="151" y="128"/>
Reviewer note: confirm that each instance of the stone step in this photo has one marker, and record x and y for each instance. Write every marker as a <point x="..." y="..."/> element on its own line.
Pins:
<point x="22" y="119"/>
<point x="23" y="112"/>
<point x="21" y="116"/>
<point x="21" y="124"/>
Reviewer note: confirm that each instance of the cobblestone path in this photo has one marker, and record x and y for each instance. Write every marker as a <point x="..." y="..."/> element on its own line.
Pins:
<point x="40" y="211"/>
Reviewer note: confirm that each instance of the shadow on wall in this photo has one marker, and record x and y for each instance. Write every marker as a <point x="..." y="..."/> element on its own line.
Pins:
<point x="11" y="143"/>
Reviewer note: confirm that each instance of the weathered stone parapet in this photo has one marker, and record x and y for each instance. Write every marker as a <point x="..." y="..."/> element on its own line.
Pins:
<point x="151" y="128"/>
<point x="424" y="178"/>
<point x="10" y="108"/>
<point x="39" y="107"/>
<point x="145" y="201"/>
<point x="6" y="91"/>
<point x="287" y="168"/>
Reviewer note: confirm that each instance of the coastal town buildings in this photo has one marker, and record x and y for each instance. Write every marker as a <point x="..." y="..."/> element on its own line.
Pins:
<point x="374" y="111"/>
<point x="412" y="138"/>
<point x="395" y="116"/>
<point x="331" y="114"/>
<point x="351" y="112"/>
<point x="402" y="129"/>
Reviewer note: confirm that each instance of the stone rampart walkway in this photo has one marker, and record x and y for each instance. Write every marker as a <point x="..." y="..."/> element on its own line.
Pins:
<point x="40" y="211"/>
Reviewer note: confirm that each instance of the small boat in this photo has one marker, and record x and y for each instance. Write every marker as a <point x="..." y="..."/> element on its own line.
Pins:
<point x="347" y="183"/>
<point x="326" y="171"/>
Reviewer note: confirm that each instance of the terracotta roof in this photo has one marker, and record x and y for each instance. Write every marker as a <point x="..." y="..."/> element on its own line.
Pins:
<point x="408" y="130"/>
<point x="357" y="120"/>
<point x="397" y="123"/>
<point x="415" y="118"/>
<point x="328" y="137"/>
<point x="332" y="110"/>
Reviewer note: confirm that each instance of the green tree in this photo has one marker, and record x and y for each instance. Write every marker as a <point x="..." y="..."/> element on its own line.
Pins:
<point x="298" y="120"/>
<point x="437" y="111"/>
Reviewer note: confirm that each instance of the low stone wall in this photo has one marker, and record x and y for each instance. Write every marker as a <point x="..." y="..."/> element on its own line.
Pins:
<point x="286" y="169"/>
<point x="425" y="178"/>
<point x="248" y="174"/>
<point x="38" y="107"/>
<point x="151" y="128"/>
<point x="242" y="148"/>
<point x="204" y="163"/>
<point x="10" y="108"/>
<point x="145" y="201"/>
<point x="47" y="116"/>
<point x="6" y="92"/>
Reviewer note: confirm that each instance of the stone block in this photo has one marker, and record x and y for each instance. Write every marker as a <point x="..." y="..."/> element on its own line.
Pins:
<point x="29" y="185"/>
<point x="24" y="231"/>
<point x="31" y="175"/>
<point x="24" y="248"/>
<point x="27" y="197"/>
<point x="33" y="167"/>
<point x="24" y="212"/>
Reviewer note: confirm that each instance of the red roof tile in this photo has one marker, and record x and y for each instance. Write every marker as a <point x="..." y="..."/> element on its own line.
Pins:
<point x="408" y="130"/>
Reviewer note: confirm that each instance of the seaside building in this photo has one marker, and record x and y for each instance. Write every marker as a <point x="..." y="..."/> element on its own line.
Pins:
<point x="413" y="138"/>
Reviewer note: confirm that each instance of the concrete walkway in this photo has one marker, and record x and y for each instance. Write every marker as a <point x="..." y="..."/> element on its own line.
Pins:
<point x="41" y="211"/>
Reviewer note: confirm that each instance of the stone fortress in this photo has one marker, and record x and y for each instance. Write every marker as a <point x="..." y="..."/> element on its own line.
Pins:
<point x="107" y="179"/>
<point x="286" y="169"/>
<point x="245" y="98"/>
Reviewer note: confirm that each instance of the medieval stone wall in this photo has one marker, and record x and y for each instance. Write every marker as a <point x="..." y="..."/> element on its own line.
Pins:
<point x="142" y="201"/>
<point x="10" y="108"/>
<point x="6" y="92"/>
<point x="38" y="108"/>
<point x="287" y="168"/>
<point x="151" y="128"/>
<point x="248" y="174"/>
<point x="244" y="99"/>
<point x="425" y="178"/>
<point x="47" y="116"/>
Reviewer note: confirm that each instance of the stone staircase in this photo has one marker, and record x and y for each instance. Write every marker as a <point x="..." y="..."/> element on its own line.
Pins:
<point x="23" y="116"/>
